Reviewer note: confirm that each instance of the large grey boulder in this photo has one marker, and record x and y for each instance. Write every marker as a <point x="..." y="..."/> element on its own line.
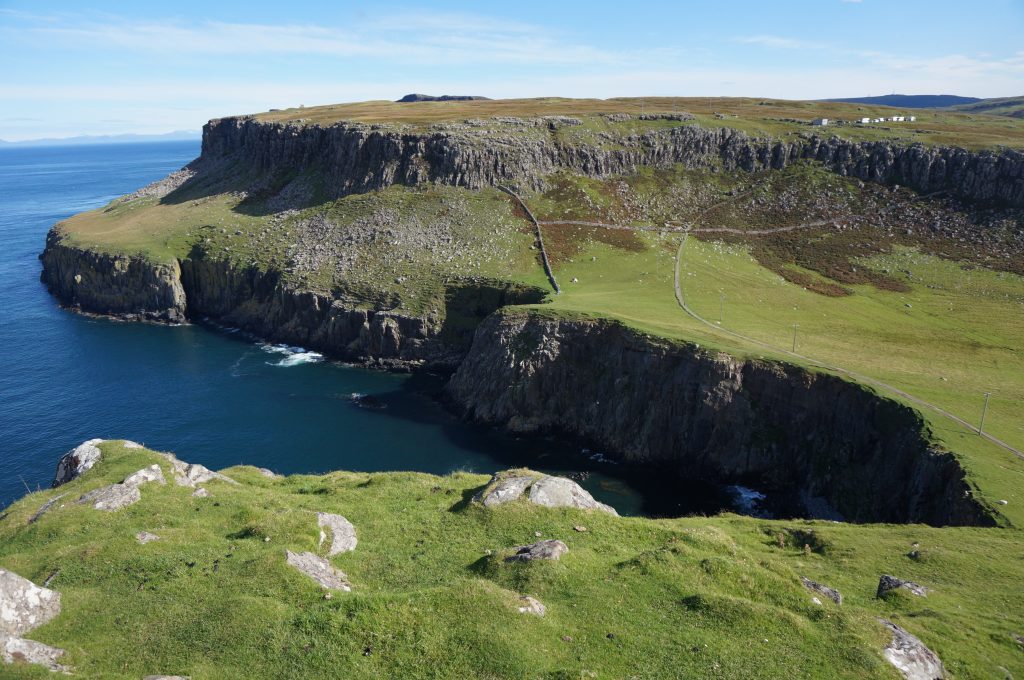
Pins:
<point x="77" y="461"/>
<point x="889" y="583"/>
<point x="14" y="649"/>
<point x="546" y="490"/>
<point x="531" y="605"/>
<point x="343" y="534"/>
<point x="24" y="605"/>
<point x="559" y="492"/>
<point x="319" y="569"/>
<point x="541" y="550"/>
<point x="193" y="474"/>
<point x="910" y="656"/>
<point x="821" y="589"/>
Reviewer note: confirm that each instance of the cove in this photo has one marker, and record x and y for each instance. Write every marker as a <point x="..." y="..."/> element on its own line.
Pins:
<point x="219" y="399"/>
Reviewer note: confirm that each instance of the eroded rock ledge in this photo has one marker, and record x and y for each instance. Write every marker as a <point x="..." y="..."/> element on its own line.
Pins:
<point x="706" y="414"/>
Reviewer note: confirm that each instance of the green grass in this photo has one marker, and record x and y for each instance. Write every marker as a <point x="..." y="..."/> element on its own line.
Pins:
<point x="699" y="597"/>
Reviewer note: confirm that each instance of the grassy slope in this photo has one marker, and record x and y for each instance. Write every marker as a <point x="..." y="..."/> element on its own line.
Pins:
<point x="680" y="598"/>
<point x="1001" y="106"/>
<point x="756" y="116"/>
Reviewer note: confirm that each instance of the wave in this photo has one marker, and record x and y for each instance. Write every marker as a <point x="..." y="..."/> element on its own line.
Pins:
<point x="293" y="356"/>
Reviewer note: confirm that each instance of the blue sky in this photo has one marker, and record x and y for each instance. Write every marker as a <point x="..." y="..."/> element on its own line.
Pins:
<point x="69" y="68"/>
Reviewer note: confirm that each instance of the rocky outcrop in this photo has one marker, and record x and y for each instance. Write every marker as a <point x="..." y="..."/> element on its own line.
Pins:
<point x="319" y="569"/>
<point x="710" y="415"/>
<point x="545" y="490"/>
<point x="117" y="496"/>
<point x="910" y="656"/>
<point x="343" y="534"/>
<point x="821" y="589"/>
<point x="354" y="158"/>
<point x="77" y="461"/>
<point x="887" y="584"/>
<point x="131" y="287"/>
<point x="541" y="550"/>
<point x="24" y="606"/>
<point x="193" y="474"/>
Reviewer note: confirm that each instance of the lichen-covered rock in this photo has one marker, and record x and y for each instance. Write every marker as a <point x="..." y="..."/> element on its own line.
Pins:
<point x="153" y="473"/>
<point x="821" y="589"/>
<point x="319" y="569"/>
<point x="145" y="537"/>
<point x="910" y="656"/>
<point x="530" y="605"/>
<point x="14" y="649"/>
<point x="193" y="474"/>
<point x="200" y="493"/>
<point x="541" y="550"/>
<point x="504" y="488"/>
<point x="546" y="490"/>
<point x="343" y="534"/>
<point x="559" y="492"/>
<point x="887" y="584"/>
<point x="112" y="497"/>
<point x="24" y="605"/>
<point x="77" y="461"/>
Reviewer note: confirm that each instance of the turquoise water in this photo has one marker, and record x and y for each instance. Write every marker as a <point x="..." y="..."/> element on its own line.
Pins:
<point x="211" y="396"/>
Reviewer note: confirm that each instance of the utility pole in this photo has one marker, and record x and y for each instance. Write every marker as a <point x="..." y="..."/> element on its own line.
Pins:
<point x="984" y="410"/>
<point x="795" y="326"/>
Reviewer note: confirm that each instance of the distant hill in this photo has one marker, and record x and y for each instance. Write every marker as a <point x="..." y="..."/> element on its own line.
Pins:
<point x="443" y="98"/>
<point x="178" y="135"/>
<point x="910" y="101"/>
<point x="1001" y="106"/>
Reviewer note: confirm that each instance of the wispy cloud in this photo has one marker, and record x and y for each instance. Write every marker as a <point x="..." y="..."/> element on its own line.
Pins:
<point x="779" y="42"/>
<point x="410" y="37"/>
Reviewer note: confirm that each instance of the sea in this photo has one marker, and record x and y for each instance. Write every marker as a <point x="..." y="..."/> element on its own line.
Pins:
<point x="218" y="397"/>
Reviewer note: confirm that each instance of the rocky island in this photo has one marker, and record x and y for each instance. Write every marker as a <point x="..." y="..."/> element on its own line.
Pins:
<point x="566" y="265"/>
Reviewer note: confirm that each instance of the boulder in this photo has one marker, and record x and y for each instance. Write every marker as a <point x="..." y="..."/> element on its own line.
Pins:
<point x="559" y="492"/>
<point x="77" y="461"/>
<point x="200" y="493"/>
<point x="319" y="569"/>
<point x="113" y="497"/>
<point x="503" y="489"/>
<point x="541" y="550"/>
<point x="343" y="534"/>
<point x="889" y="583"/>
<point x="815" y="587"/>
<point x="530" y="605"/>
<point x="24" y="605"/>
<point x="546" y="490"/>
<point x="14" y="649"/>
<point x="145" y="537"/>
<point x="910" y="656"/>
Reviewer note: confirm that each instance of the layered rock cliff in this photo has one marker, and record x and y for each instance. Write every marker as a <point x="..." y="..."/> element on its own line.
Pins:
<point x="705" y="414"/>
<point x="118" y="285"/>
<point x="356" y="158"/>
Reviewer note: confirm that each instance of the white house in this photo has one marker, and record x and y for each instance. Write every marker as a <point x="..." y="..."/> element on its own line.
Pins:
<point x="911" y="118"/>
<point x="819" y="121"/>
<point x="865" y="120"/>
<point x="878" y="120"/>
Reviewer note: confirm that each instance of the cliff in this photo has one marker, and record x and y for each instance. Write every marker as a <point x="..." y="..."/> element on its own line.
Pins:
<point x="354" y="158"/>
<point x="710" y="415"/>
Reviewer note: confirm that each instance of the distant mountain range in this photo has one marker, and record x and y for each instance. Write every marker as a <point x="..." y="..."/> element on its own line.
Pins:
<point x="178" y="135"/>
<point x="911" y="101"/>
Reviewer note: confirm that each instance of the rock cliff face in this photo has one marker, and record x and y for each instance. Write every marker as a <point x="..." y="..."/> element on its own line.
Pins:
<point x="118" y="285"/>
<point x="713" y="416"/>
<point x="355" y="158"/>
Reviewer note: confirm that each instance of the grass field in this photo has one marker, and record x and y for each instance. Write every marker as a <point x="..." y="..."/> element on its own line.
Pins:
<point x="634" y="597"/>
<point x="759" y="117"/>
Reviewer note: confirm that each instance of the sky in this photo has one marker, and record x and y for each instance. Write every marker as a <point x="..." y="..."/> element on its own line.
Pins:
<point x="96" y="68"/>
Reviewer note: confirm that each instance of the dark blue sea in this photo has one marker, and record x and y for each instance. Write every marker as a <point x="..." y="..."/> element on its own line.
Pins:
<point x="211" y="396"/>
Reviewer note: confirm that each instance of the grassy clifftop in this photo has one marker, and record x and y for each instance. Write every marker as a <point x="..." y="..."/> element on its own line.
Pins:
<point x="213" y="597"/>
